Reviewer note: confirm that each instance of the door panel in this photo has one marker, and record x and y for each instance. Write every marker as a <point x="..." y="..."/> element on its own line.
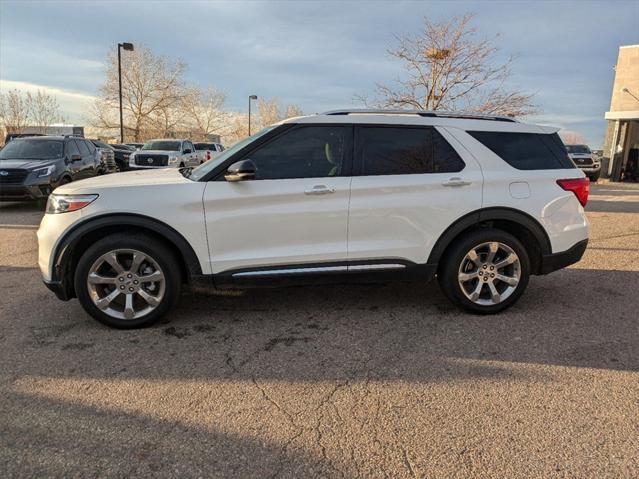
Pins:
<point x="274" y="222"/>
<point x="295" y="210"/>
<point x="402" y="216"/>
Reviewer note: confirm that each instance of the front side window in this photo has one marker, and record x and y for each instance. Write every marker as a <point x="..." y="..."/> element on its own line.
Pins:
<point x="32" y="150"/>
<point x="526" y="151"/>
<point x="406" y="150"/>
<point x="72" y="149"/>
<point x="84" y="149"/>
<point x="304" y="152"/>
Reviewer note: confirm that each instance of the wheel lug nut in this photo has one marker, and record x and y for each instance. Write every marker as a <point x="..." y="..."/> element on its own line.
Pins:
<point x="130" y="289"/>
<point x="129" y="275"/>
<point x="492" y="275"/>
<point x="120" y="279"/>
<point x="485" y="266"/>
<point x="135" y="282"/>
<point x="122" y="287"/>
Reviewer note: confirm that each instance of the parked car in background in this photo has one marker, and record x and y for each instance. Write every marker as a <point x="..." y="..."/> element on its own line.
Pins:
<point x="585" y="159"/>
<point x="135" y="146"/>
<point x="207" y="151"/>
<point x="32" y="167"/>
<point x="164" y="153"/>
<point x="479" y="202"/>
<point x="107" y="155"/>
<point x="122" y="154"/>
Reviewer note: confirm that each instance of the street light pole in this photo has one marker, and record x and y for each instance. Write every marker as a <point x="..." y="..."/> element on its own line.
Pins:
<point x="251" y="97"/>
<point x="129" y="47"/>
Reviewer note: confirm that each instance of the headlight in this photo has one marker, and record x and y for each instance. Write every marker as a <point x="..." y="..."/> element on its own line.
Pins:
<point x="173" y="159"/>
<point x="44" y="172"/>
<point x="67" y="203"/>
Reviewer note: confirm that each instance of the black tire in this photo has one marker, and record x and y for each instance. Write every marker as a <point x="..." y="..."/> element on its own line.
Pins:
<point x="594" y="178"/>
<point x="149" y="246"/>
<point x="65" y="180"/>
<point x="182" y="165"/>
<point x="452" y="262"/>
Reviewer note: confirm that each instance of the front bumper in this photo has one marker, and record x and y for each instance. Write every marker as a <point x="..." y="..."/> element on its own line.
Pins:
<point x="25" y="192"/>
<point x="591" y="169"/>
<point x="553" y="262"/>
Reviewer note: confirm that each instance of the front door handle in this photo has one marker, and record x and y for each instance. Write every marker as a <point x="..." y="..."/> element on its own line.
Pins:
<point x="319" y="190"/>
<point x="456" y="181"/>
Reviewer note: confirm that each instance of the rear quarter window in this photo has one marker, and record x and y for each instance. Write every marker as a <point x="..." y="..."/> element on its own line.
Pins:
<point x="526" y="151"/>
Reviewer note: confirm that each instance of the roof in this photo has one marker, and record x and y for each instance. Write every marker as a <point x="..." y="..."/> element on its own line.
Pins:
<point x="462" y="120"/>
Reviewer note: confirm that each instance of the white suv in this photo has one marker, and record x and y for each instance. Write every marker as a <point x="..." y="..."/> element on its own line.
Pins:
<point x="164" y="153"/>
<point x="480" y="202"/>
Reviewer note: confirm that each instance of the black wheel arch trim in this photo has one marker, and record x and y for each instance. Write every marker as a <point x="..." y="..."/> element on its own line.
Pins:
<point x="74" y="235"/>
<point x="478" y="217"/>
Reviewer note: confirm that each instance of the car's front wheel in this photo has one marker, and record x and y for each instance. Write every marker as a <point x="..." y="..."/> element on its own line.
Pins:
<point x="127" y="281"/>
<point x="485" y="271"/>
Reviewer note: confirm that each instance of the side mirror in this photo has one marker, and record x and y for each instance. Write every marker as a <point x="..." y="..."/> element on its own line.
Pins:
<point x="187" y="151"/>
<point x="75" y="158"/>
<point x="241" y="170"/>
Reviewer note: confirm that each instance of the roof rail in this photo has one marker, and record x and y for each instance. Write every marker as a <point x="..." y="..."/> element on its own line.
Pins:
<point x="424" y="113"/>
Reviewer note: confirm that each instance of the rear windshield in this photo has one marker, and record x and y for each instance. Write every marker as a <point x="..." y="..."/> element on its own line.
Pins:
<point x="577" y="149"/>
<point x="204" y="146"/>
<point x="30" y="149"/>
<point x="526" y="151"/>
<point x="162" y="145"/>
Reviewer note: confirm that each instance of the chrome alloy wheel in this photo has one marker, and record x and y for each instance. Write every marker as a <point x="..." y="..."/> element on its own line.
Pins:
<point x="126" y="284"/>
<point x="489" y="273"/>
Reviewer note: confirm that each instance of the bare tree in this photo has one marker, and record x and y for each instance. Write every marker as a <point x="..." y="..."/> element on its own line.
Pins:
<point x="203" y="111"/>
<point x="293" y="111"/>
<point x="44" y="109"/>
<point x="14" y="111"/>
<point x="151" y="87"/>
<point x="448" y="68"/>
<point x="269" y="111"/>
<point x="572" y="137"/>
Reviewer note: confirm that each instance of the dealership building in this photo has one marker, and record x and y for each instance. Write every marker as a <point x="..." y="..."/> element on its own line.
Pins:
<point x="621" y="145"/>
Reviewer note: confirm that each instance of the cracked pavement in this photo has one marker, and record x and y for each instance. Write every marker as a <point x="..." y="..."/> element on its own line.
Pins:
<point x="330" y="381"/>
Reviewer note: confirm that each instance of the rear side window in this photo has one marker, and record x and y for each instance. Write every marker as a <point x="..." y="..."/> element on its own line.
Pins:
<point x="406" y="151"/>
<point x="526" y="151"/>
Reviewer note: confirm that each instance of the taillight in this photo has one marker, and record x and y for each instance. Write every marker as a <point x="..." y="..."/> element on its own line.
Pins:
<point x="579" y="186"/>
<point x="208" y="155"/>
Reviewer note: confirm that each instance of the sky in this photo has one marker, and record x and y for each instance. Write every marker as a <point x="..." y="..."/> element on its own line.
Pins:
<point x="316" y="54"/>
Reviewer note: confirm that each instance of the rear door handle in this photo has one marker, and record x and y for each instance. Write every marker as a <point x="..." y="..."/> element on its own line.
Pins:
<point x="319" y="190"/>
<point x="456" y="181"/>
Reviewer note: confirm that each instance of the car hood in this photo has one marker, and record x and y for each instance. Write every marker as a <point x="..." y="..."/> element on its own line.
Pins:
<point x="155" y="152"/>
<point x="136" y="179"/>
<point x="26" y="164"/>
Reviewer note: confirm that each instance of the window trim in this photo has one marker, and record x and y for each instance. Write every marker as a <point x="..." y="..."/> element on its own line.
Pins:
<point x="358" y="162"/>
<point x="247" y="151"/>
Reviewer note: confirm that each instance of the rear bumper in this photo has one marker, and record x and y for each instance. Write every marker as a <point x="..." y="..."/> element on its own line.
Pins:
<point x="553" y="262"/>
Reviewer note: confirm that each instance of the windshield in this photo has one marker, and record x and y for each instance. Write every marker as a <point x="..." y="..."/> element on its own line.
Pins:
<point x="204" y="168"/>
<point x="577" y="149"/>
<point x="162" y="145"/>
<point x="32" y="150"/>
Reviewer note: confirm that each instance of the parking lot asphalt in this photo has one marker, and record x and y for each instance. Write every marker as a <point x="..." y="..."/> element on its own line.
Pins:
<point x="331" y="381"/>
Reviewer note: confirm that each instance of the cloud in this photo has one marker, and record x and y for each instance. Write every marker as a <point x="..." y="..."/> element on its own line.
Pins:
<point x="73" y="105"/>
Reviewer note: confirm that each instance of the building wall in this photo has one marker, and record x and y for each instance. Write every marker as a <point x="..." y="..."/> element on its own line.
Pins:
<point x="626" y="76"/>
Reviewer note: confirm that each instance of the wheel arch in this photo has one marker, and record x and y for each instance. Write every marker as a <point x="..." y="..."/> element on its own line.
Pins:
<point x="521" y="225"/>
<point x="81" y="236"/>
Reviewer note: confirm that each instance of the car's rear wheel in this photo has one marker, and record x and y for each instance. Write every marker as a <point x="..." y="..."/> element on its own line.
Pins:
<point x="127" y="281"/>
<point x="485" y="272"/>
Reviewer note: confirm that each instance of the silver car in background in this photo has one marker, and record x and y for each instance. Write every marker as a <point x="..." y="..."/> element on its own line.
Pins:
<point x="164" y="153"/>
<point x="586" y="160"/>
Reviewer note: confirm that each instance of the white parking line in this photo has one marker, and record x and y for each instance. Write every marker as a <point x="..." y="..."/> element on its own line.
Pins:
<point x="19" y="227"/>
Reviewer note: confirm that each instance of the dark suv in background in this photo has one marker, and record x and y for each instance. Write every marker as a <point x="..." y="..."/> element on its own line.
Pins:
<point x="31" y="168"/>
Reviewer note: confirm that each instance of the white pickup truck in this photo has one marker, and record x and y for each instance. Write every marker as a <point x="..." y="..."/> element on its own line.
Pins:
<point x="208" y="151"/>
<point x="164" y="153"/>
